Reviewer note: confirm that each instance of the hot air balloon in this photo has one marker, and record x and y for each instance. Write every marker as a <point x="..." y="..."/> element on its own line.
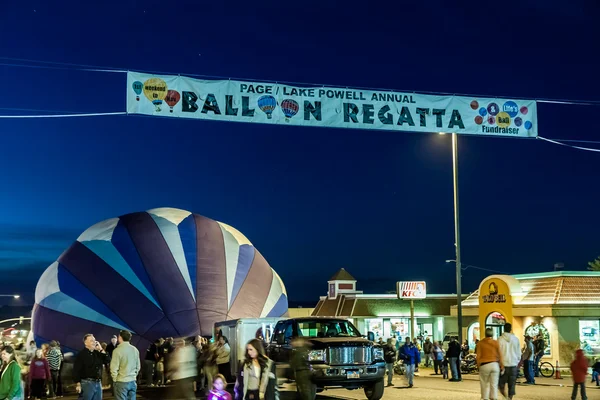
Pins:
<point x="289" y="108"/>
<point x="137" y="88"/>
<point x="155" y="90"/>
<point x="161" y="273"/>
<point x="267" y="104"/>
<point x="172" y="98"/>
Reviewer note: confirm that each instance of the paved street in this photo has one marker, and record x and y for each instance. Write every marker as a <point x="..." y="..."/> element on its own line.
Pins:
<point x="426" y="388"/>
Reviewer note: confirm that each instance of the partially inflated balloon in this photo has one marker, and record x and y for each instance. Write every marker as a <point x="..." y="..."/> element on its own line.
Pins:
<point x="155" y="90"/>
<point x="164" y="272"/>
<point x="172" y="98"/>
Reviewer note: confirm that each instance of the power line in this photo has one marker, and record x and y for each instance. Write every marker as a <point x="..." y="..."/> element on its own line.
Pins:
<point x="96" y="68"/>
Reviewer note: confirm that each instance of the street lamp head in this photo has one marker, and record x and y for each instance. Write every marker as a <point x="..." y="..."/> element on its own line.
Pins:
<point x="442" y="133"/>
<point x="16" y="296"/>
<point x="450" y="261"/>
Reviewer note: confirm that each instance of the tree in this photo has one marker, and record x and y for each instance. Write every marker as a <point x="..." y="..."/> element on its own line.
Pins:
<point x="594" y="265"/>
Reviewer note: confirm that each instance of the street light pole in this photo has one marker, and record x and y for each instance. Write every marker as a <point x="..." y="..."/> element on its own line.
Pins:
<point x="457" y="236"/>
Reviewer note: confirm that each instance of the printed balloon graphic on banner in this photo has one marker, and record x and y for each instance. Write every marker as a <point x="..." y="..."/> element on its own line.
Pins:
<point x="267" y="104"/>
<point x="289" y="108"/>
<point x="160" y="273"/>
<point x="155" y="90"/>
<point x="137" y="88"/>
<point x="172" y="98"/>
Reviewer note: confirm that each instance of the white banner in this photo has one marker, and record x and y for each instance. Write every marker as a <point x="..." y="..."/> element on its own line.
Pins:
<point x="269" y="103"/>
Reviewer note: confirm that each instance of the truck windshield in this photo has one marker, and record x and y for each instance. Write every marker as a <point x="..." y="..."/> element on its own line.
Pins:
<point x="327" y="328"/>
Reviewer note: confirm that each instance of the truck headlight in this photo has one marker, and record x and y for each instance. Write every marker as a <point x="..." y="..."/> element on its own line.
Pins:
<point x="316" y="355"/>
<point x="377" y="353"/>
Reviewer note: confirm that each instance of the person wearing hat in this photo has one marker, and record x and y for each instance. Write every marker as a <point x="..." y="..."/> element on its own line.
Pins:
<point x="528" y="359"/>
<point x="114" y="342"/>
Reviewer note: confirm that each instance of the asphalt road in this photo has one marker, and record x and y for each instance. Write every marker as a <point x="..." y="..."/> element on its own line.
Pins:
<point x="425" y="388"/>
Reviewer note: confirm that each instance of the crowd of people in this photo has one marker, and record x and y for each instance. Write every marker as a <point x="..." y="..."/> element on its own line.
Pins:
<point x="498" y="361"/>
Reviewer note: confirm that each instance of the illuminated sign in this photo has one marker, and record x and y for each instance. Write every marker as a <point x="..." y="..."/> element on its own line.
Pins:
<point x="411" y="290"/>
<point x="493" y="296"/>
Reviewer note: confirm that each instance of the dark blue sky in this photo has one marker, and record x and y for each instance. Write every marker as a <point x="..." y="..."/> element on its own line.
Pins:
<point x="311" y="200"/>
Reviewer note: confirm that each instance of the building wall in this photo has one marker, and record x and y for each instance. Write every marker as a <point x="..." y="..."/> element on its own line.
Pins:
<point x="300" y="312"/>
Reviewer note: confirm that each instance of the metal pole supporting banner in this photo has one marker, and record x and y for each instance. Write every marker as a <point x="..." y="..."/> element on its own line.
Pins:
<point x="412" y="319"/>
<point x="457" y="236"/>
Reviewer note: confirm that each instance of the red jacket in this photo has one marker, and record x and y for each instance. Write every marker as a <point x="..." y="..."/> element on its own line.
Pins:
<point x="579" y="367"/>
<point x="39" y="369"/>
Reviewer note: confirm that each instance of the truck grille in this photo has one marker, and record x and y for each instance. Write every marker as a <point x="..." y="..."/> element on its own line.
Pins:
<point x="349" y="355"/>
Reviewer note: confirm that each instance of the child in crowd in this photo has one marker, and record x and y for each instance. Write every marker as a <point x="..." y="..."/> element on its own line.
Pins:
<point x="218" y="391"/>
<point x="445" y="368"/>
<point x="160" y="372"/>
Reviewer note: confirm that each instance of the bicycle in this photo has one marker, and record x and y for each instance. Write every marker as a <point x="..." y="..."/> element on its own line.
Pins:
<point x="546" y="369"/>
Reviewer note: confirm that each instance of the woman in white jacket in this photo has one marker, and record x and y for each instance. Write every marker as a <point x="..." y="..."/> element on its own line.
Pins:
<point x="223" y="358"/>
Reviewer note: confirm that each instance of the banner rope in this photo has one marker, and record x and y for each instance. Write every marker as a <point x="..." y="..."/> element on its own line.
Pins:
<point x="568" y="145"/>
<point x="96" y="68"/>
<point x="65" y="115"/>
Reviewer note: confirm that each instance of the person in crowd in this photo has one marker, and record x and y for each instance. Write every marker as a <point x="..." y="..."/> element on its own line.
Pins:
<point x="218" y="391"/>
<point x="54" y="362"/>
<point x="59" y="385"/>
<point x="39" y="374"/>
<point x="579" y="369"/>
<point x="596" y="372"/>
<point x="438" y="357"/>
<point x="200" y="359"/>
<point x="394" y="341"/>
<point x="302" y="368"/>
<point x="540" y="346"/>
<point x="489" y="361"/>
<point x="257" y="379"/>
<point x="150" y="362"/>
<point x="183" y="369"/>
<point x="124" y="368"/>
<point x="444" y="367"/>
<point x="45" y="349"/>
<point x="223" y="357"/>
<point x="528" y="358"/>
<point x="411" y="356"/>
<point x="114" y="342"/>
<point x="106" y="380"/>
<point x="167" y="347"/>
<point x="417" y="343"/>
<point x="10" y="381"/>
<point x="210" y="362"/>
<point x="428" y="352"/>
<point x="87" y="369"/>
<point x="464" y="349"/>
<point x="160" y="372"/>
<point x="510" y="350"/>
<point x="389" y="354"/>
<point x="453" y="355"/>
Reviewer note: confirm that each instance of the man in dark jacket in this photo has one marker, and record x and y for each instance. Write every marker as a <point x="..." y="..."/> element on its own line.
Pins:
<point x="428" y="351"/>
<point x="411" y="356"/>
<point x="540" y="346"/>
<point x="389" y="355"/>
<point x="453" y="355"/>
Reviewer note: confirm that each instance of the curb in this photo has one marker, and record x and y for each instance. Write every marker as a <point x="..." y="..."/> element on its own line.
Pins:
<point x="474" y="378"/>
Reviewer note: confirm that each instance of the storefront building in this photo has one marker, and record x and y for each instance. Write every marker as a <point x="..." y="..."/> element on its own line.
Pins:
<point x="564" y="307"/>
<point x="384" y="314"/>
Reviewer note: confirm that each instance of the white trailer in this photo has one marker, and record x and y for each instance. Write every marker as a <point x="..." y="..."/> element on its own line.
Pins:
<point x="240" y="331"/>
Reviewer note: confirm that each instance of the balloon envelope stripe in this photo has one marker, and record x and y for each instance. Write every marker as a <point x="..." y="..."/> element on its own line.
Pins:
<point x="187" y="232"/>
<point x="211" y="279"/>
<point x="253" y="293"/>
<point x="165" y="275"/>
<point x="124" y="245"/>
<point x="106" y="284"/>
<point x="73" y="288"/>
<point x="280" y="308"/>
<point x="245" y="259"/>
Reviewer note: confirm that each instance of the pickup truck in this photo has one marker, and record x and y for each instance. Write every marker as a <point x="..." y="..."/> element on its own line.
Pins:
<point x="339" y="356"/>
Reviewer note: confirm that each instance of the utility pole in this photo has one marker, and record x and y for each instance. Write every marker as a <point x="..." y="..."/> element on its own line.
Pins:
<point x="457" y="237"/>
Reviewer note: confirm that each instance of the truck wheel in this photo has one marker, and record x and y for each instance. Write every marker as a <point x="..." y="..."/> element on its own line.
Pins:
<point x="375" y="390"/>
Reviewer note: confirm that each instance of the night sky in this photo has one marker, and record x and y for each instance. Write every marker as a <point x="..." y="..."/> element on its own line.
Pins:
<point x="312" y="200"/>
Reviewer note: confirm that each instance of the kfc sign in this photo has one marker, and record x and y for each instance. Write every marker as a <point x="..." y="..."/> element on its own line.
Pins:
<point x="411" y="290"/>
